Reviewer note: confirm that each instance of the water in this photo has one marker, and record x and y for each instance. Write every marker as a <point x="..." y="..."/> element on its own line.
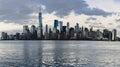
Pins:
<point x="59" y="54"/>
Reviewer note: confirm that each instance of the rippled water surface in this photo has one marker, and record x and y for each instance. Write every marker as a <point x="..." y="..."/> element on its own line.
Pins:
<point x="59" y="54"/>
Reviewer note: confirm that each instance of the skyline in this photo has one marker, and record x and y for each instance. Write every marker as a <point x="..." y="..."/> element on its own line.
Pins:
<point x="61" y="32"/>
<point x="17" y="13"/>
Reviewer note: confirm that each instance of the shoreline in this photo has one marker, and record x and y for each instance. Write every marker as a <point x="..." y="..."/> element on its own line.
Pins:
<point x="62" y="40"/>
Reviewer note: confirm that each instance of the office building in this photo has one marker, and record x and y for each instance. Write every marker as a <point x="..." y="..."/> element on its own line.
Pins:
<point x="4" y="36"/>
<point x="60" y="24"/>
<point x="17" y="36"/>
<point x="114" y="34"/>
<point x="67" y="30"/>
<point x="99" y="35"/>
<point x="39" y="33"/>
<point x="26" y="32"/>
<point x="46" y="32"/>
<point x="71" y="33"/>
<point x="86" y="32"/>
<point x="33" y="32"/>
<point x="56" y="23"/>
<point x="40" y="19"/>
<point x="40" y="27"/>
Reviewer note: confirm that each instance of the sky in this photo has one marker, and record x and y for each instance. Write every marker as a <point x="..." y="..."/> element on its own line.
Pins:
<point x="88" y="13"/>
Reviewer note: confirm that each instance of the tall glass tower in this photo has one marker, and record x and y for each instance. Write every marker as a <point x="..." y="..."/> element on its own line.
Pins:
<point x="40" y="19"/>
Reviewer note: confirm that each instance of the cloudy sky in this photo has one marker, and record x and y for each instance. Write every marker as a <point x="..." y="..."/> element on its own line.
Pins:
<point x="97" y="13"/>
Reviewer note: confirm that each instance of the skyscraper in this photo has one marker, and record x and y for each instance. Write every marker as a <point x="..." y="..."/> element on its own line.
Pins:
<point x="40" y="19"/>
<point x="56" y="23"/>
<point x="39" y="32"/>
<point x="26" y="32"/>
<point x="46" y="32"/>
<point x="67" y="29"/>
<point x="25" y="29"/>
<point x="33" y="29"/>
<point x="4" y="36"/>
<point x="114" y="34"/>
<point x="40" y="29"/>
<point x="33" y="32"/>
<point x="60" y="24"/>
<point x="46" y="28"/>
<point x="55" y="26"/>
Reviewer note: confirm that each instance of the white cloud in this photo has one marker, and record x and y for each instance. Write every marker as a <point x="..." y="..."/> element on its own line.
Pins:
<point x="5" y="27"/>
<point x="107" y="5"/>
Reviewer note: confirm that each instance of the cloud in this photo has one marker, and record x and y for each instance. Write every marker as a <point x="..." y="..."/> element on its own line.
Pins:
<point x="106" y="5"/>
<point x="110" y="23"/>
<point x="117" y="0"/>
<point x="10" y="26"/>
<point x="117" y="20"/>
<point x="64" y="7"/>
<point x="18" y="11"/>
<point x="118" y="26"/>
<point x="92" y="18"/>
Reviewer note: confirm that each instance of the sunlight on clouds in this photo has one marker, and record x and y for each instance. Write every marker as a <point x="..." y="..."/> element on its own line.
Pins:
<point x="4" y="27"/>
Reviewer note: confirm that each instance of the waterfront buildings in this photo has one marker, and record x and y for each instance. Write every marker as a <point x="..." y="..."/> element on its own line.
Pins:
<point x="60" y="32"/>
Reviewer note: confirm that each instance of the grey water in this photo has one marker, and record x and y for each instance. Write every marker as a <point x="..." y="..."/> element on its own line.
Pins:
<point x="59" y="54"/>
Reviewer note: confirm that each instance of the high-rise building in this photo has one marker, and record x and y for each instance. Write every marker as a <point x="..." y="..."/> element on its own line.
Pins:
<point x="26" y="29"/>
<point x="33" y="29"/>
<point x="17" y="36"/>
<point x="106" y="33"/>
<point x="110" y="36"/>
<point x="86" y="33"/>
<point x="71" y="33"/>
<point x="56" y="23"/>
<point x="33" y="32"/>
<point x="40" y="19"/>
<point x="39" y="32"/>
<point x="4" y="36"/>
<point x="60" y="25"/>
<point x="67" y="30"/>
<point x="99" y="34"/>
<point x="26" y="32"/>
<point x="40" y="29"/>
<point x="64" y="28"/>
<point x="114" y="34"/>
<point x="77" y="28"/>
<point x="46" y="35"/>
<point x="46" y="28"/>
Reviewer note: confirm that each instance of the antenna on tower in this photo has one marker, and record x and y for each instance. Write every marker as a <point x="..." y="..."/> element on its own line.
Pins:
<point x="40" y="8"/>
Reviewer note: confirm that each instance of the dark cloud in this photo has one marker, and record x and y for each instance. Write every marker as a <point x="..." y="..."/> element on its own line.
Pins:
<point x="110" y="23"/>
<point x="64" y="7"/>
<point x="117" y="20"/>
<point x="95" y="24"/>
<point x="118" y="26"/>
<point x="19" y="10"/>
<point x="16" y="10"/>
<point x="91" y="18"/>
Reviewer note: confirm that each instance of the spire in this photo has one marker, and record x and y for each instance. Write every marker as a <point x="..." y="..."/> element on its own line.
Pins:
<point x="40" y="9"/>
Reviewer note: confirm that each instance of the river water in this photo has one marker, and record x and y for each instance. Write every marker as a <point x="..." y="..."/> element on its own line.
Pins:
<point x="59" y="54"/>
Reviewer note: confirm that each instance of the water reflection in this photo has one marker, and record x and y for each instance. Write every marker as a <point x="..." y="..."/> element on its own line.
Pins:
<point x="33" y="54"/>
<point x="59" y="54"/>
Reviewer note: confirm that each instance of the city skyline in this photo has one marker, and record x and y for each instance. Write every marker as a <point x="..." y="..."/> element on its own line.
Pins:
<point x="61" y="32"/>
<point x="14" y="14"/>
